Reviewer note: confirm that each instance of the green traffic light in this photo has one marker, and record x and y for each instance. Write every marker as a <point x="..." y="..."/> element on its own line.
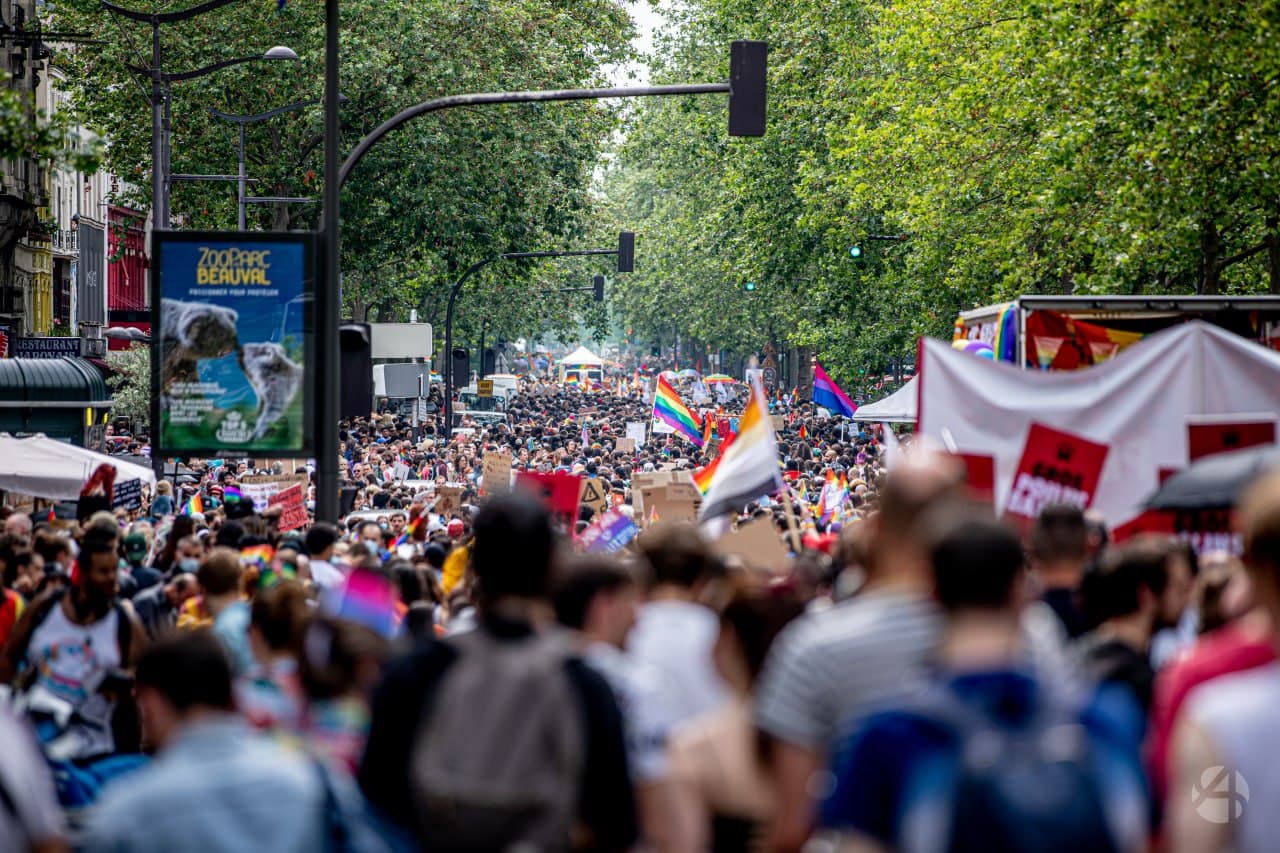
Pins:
<point x="749" y="286"/>
<point x="855" y="251"/>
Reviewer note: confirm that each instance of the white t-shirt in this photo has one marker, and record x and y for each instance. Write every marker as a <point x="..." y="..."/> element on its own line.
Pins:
<point x="674" y="640"/>
<point x="325" y="575"/>
<point x="1238" y="715"/>
<point x="635" y="686"/>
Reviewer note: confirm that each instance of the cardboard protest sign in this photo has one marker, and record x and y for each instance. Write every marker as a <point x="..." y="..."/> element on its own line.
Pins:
<point x="609" y="532"/>
<point x="448" y="500"/>
<point x="757" y="543"/>
<point x="672" y="502"/>
<point x="1056" y="467"/>
<point x="1206" y="437"/>
<point x="293" y="504"/>
<point x="779" y="422"/>
<point x="594" y="494"/>
<point x="558" y="491"/>
<point x="636" y="432"/>
<point x="260" y="487"/>
<point x="626" y="445"/>
<point x="497" y="474"/>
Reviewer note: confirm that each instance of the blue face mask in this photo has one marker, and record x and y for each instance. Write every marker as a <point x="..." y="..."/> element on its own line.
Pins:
<point x="189" y="564"/>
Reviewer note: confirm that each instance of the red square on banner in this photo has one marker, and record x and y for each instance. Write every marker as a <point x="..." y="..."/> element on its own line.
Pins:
<point x="979" y="476"/>
<point x="1207" y="439"/>
<point x="1056" y="467"/>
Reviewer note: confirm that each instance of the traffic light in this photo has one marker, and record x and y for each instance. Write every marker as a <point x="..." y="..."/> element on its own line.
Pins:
<point x="855" y="251"/>
<point x="460" y="366"/>
<point x="355" y="370"/>
<point x="748" y="76"/>
<point x="749" y="286"/>
<point x="488" y="361"/>
<point x="597" y="288"/>
<point x="626" y="251"/>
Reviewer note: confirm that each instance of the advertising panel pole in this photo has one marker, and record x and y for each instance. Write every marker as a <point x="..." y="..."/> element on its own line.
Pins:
<point x="329" y="294"/>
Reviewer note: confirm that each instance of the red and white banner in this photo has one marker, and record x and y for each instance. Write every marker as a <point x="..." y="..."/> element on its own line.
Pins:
<point x="1136" y="405"/>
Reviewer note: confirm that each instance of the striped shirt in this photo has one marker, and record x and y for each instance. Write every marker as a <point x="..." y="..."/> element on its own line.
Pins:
<point x="825" y="665"/>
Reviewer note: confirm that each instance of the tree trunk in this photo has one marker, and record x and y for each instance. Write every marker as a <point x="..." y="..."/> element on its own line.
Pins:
<point x="1273" y="254"/>
<point x="1210" y="250"/>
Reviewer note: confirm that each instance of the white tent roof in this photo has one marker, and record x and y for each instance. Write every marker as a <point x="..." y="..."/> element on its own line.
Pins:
<point x="898" y="408"/>
<point x="581" y="355"/>
<point x="45" y="468"/>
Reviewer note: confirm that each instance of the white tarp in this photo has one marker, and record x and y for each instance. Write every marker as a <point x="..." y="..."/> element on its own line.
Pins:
<point x="1138" y="405"/>
<point x="582" y="355"/>
<point x="898" y="408"/>
<point x="46" y="468"/>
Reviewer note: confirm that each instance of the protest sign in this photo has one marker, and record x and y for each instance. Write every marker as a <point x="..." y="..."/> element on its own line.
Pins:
<point x="594" y="494"/>
<point x="127" y="495"/>
<point x="779" y="422"/>
<point x="1056" y="467"/>
<point x="626" y="445"/>
<point x="497" y="474"/>
<point x="260" y="487"/>
<point x="672" y="501"/>
<point x="293" y="506"/>
<point x="609" y="532"/>
<point x="636" y="432"/>
<point x="448" y="500"/>
<point x="757" y="543"/>
<point x="979" y="476"/>
<point x="233" y="361"/>
<point x="558" y="491"/>
<point x="1209" y="436"/>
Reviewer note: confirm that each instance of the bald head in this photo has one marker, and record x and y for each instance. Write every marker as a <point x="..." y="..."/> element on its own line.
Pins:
<point x="18" y="524"/>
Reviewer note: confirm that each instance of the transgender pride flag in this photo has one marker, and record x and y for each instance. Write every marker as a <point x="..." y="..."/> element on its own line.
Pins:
<point x="827" y="394"/>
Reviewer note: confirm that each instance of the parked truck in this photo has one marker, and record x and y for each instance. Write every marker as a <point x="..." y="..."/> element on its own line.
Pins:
<point x="1070" y="332"/>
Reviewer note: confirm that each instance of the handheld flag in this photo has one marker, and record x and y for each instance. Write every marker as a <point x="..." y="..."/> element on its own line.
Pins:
<point x="193" y="506"/>
<point x="748" y="468"/>
<point x="670" y="410"/>
<point x="827" y="394"/>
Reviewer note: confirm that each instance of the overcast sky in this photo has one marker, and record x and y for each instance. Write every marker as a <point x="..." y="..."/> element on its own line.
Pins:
<point x="647" y="20"/>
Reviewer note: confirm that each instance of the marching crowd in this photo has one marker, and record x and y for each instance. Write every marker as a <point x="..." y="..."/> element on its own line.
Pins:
<point x="919" y="677"/>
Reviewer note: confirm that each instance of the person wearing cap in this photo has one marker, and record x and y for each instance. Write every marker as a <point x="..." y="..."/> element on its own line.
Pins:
<point x="136" y="549"/>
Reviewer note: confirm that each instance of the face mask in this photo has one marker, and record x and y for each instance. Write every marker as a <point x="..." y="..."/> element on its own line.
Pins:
<point x="189" y="564"/>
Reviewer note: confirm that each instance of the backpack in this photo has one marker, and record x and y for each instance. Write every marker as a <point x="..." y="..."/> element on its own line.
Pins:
<point x="1037" y="788"/>
<point x="498" y="758"/>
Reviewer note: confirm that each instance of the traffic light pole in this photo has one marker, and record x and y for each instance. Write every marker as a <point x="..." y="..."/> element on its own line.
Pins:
<point x="746" y="89"/>
<point x="453" y="298"/>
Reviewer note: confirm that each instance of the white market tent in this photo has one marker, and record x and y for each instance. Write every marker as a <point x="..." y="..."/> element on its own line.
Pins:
<point x="582" y="356"/>
<point x="898" y="408"/>
<point x="46" y="468"/>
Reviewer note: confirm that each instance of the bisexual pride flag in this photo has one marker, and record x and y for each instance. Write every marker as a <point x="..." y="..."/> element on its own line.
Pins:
<point x="827" y="394"/>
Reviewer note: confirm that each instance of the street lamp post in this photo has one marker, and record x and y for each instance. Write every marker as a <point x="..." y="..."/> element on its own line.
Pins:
<point x="453" y="298"/>
<point x="242" y="178"/>
<point x="160" y="83"/>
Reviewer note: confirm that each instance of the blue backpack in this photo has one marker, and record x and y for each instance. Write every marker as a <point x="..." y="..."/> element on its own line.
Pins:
<point x="1038" y="787"/>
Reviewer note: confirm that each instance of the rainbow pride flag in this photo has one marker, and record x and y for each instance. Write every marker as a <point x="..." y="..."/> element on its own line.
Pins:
<point x="193" y="506"/>
<point x="668" y="408"/>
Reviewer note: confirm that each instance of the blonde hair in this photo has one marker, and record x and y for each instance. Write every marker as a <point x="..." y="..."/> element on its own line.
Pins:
<point x="164" y="487"/>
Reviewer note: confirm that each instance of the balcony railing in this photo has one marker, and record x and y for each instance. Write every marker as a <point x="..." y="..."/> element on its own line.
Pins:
<point x="65" y="240"/>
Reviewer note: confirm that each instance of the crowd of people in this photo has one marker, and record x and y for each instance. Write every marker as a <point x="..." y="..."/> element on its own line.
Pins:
<point x="918" y="676"/>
